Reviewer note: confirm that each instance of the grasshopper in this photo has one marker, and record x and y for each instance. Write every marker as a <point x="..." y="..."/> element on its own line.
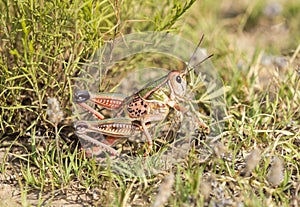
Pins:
<point x="136" y="113"/>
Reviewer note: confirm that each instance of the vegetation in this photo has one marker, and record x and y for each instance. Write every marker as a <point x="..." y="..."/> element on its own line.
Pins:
<point x="44" y="45"/>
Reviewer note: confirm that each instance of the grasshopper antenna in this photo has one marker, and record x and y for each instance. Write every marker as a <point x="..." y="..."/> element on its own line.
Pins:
<point x="187" y="69"/>
<point x="203" y="60"/>
<point x="194" y="52"/>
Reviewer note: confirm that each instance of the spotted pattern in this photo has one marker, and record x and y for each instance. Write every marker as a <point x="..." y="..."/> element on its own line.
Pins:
<point x="137" y="107"/>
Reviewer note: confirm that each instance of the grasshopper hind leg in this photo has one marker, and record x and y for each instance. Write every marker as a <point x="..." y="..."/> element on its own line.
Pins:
<point x="81" y="130"/>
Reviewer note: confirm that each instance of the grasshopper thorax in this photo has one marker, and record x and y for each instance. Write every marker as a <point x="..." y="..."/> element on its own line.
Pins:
<point x="177" y="83"/>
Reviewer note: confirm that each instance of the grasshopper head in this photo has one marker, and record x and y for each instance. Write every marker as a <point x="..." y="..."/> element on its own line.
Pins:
<point x="177" y="83"/>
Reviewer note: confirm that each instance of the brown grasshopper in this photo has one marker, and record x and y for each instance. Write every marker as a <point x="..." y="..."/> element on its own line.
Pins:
<point x="135" y="113"/>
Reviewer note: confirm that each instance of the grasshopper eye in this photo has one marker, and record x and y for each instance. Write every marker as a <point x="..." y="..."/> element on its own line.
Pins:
<point x="178" y="79"/>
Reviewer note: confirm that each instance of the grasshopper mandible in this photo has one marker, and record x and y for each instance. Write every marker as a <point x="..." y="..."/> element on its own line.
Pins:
<point x="137" y="112"/>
